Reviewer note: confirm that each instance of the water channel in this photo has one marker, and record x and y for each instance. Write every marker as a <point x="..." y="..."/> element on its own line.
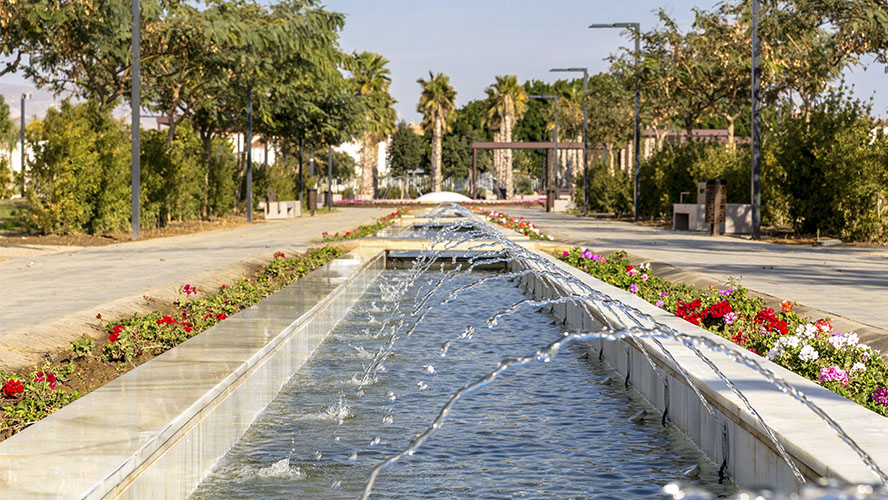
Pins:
<point x="550" y="430"/>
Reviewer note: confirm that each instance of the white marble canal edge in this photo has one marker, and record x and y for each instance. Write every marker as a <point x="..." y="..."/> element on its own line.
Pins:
<point x="732" y="433"/>
<point x="156" y="431"/>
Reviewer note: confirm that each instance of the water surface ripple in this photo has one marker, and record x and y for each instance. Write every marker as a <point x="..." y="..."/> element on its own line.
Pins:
<point x="550" y="430"/>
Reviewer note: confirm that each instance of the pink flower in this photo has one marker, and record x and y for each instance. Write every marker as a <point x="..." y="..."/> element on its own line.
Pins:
<point x="632" y="272"/>
<point x="644" y="277"/>
<point x="659" y="303"/>
<point x="566" y="253"/>
<point x="598" y="258"/>
<point x="729" y="318"/>
<point x="633" y="288"/>
<point x="879" y="396"/>
<point x="833" y="374"/>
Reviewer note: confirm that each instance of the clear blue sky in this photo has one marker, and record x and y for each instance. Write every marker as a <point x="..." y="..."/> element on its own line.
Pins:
<point x="473" y="41"/>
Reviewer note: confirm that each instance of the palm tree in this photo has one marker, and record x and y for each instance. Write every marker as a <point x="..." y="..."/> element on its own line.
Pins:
<point x="437" y="103"/>
<point x="570" y="128"/>
<point x="372" y="80"/>
<point x="506" y="104"/>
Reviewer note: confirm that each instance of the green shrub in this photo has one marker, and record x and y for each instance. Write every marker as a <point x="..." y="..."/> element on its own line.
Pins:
<point x="79" y="173"/>
<point x="172" y="177"/>
<point x="833" y="170"/>
<point x="608" y="192"/>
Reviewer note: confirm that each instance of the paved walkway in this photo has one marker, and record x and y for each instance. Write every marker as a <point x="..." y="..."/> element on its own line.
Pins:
<point x="37" y="289"/>
<point x="851" y="282"/>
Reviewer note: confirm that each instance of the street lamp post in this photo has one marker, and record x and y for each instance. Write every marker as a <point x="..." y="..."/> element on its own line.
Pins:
<point x="329" y="178"/>
<point x="24" y="98"/>
<point x="248" y="147"/>
<point x="136" y="105"/>
<point x="549" y="189"/>
<point x="637" y="28"/>
<point x="585" y="134"/>
<point x="756" y="125"/>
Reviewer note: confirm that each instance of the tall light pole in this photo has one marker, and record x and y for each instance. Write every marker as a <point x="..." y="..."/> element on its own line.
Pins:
<point x="25" y="97"/>
<point x="585" y="133"/>
<point x="329" y="178"/>
<point x="756" y="125"/>
<point x="136" y="104"/>
<point x="637" y="28"/>
<point x="248" y="147"/>
<point x="549" y="190"/>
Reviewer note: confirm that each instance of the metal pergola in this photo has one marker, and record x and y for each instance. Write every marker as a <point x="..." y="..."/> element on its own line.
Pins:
<point x="550" y="158"/>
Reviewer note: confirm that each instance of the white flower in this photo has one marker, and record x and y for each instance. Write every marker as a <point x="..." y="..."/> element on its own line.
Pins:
<point x="775" y="352"/>
<point x="851" y="339"/>
<point x="791" y="341"/>
<point x="808" y="353"/>
<point x="858" y="367"/>
<point x="863" y="347"/>
<point x="806" y="331"/>
<point x="837" y="341"/>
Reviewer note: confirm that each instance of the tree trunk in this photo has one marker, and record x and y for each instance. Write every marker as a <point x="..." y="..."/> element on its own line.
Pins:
<point x="731" y="120"/>
<point x="369" y="153"/>
<point x="436" y="155"/>
<point x="507" y="157"/>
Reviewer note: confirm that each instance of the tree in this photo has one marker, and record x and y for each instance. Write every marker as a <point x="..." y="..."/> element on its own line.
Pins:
<point x="612" y="115"/>
<point x="437" y="103"/>
<point x="89" y="50"/>
<point x="405" y="151"/>
<point x="506" y="104"/>
<point x="371" y="80"/>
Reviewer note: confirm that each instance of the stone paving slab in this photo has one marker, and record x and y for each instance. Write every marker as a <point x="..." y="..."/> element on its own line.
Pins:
<point x="847" y="282"/>
<point x="49" y="300"/>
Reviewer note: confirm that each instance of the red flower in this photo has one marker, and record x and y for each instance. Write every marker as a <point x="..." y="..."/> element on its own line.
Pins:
<point x="208" y="316"/>
<point x="752" y="350"/>
<point x="117" y="329"/>
<point x="113" y="337"/>
<point x="786" y="306"/>
<point x="46" y="377"/>
<point x="739" y="339"/>
<point x="718" y="310"/>
<point x="99" y="316"/>
<point x="169" y="320"/>
<point x="221" y="316"/>
<point x="629" y="268"/>
<point x="279" y="255"/>
<point x="13" y="388"/>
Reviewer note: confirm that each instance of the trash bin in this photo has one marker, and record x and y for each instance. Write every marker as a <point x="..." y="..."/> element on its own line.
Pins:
<point x="312" y="200"/>
<point x="716" y="204"/>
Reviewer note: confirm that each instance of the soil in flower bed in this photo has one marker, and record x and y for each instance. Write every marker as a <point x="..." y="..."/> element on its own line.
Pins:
<point x="27" y="396"/>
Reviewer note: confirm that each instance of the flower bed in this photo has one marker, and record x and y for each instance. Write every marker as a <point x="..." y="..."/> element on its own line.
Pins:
<point x="813" y="349"/>
<point x="520" y="225"/>
<point x="368" y="229"/>
<point x="134" y="340"/>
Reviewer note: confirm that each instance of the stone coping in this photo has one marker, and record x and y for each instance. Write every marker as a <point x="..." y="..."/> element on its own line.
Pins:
<point x="817" y="450"/>
<point x="155" y="431"/>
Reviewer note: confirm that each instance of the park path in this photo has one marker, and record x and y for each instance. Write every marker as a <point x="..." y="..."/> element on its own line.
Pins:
<point x="851" y="282"/>
<point x="40" y="289"/>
